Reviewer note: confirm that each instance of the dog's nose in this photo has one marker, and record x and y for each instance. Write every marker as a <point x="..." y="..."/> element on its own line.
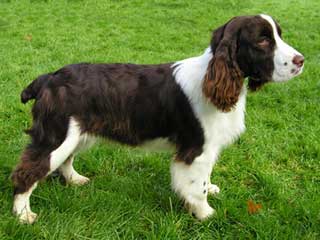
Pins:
<point x="298" y="60"/>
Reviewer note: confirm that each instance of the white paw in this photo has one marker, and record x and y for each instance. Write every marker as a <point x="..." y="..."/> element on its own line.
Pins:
<point x="27" y="217"/>
<point x="200" y="210"/>
<point x="213" y="189"/>
<point x="204" y="213"/>
<point x="78" y="180"/>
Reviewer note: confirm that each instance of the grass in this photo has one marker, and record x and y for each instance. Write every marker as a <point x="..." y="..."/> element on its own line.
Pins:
<point x="275" y="163"/>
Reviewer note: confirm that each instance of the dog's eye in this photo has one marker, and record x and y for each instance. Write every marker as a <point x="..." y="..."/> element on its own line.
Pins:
<point x="264" y="42"/>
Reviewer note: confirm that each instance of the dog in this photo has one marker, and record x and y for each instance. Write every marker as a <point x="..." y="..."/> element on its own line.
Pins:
<point x="196" y="105"/>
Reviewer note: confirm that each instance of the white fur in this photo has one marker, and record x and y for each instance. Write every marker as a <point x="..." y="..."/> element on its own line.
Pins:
<point x="86" y="141"/>
<point x="192" y="182"/>
<point x="158" y="144"/>
<point x="73" y="142"/>
<point x="63" y="156"/>
<point x="21" y="206"/>
<point x="70" y="174"/>
<point x="213" y="189"/>
<point x="284" y="68"/>
<point x="220" y="128"/>
<point x="58" y="156"/>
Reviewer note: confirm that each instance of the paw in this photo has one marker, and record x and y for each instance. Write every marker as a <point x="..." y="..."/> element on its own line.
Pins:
<point x="213" y="189"/>
<point x="27" y="217"/>
<point x="204" y="213"/>
<point x="78" y="180"/>
<point x="201" y="210"/>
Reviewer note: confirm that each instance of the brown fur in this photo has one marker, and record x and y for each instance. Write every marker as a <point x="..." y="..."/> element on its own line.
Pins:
<point x="33" y="167"/>
<point x="127" y="103"/>
<point x="223" y="81"/>
<point x="255" y="85"/>
<point x="222" y="87"/>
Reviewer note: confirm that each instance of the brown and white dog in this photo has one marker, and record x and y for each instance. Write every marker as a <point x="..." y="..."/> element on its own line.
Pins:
<point x="196" y="105"/>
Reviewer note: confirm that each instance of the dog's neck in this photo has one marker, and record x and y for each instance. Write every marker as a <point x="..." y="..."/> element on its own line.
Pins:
<point x="189" y="74"/>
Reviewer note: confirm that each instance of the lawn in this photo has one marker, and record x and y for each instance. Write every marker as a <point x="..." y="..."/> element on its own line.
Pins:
<point x="275" y="163"/>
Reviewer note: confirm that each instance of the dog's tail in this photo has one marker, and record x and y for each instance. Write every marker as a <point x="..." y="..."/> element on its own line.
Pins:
<point x="34" y="88"/>
<point x="50" y="120"/>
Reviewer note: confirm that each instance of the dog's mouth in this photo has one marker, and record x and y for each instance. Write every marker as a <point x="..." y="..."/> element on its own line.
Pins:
<point x="297" y="71"/>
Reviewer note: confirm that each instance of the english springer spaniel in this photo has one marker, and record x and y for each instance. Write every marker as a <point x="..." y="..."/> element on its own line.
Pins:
<point x="197" y="105"/>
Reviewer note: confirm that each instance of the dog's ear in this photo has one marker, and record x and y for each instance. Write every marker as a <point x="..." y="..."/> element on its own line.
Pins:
<point x="223" y="80"/>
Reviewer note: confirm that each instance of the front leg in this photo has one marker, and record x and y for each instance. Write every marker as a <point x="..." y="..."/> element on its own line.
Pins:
<point x="191" y="181"/>
<point x="212" y="188"/>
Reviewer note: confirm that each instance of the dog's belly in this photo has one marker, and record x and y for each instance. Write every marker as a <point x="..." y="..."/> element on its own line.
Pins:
<point x="86" y="141"/>
<point x="158" y="145"/>
<point x="155" y="145"/>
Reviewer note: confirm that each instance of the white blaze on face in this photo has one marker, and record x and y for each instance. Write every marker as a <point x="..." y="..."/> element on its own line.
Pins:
<point x="284" y="55"/>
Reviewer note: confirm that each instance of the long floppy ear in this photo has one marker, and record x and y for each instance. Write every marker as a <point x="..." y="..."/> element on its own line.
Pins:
<point x="223" y="80"/>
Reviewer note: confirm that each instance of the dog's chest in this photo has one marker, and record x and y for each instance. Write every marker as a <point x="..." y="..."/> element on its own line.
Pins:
<point x="223" y="128"/>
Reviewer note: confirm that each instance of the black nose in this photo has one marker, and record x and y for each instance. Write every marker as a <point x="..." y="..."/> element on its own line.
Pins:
<point x="298" y="60"/>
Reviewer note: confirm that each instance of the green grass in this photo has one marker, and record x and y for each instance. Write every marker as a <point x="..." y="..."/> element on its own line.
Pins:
<point x="275" y="163"/>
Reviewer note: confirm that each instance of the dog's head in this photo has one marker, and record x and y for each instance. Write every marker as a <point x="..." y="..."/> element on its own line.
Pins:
<point x="248" y="46"/>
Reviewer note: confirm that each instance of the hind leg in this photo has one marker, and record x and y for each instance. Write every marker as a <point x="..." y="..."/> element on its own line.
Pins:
<point x="37" y="163"/>
<point x="33" y="167"/>
<point x="70" y="174"/>
<point x="21" y="206"/>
